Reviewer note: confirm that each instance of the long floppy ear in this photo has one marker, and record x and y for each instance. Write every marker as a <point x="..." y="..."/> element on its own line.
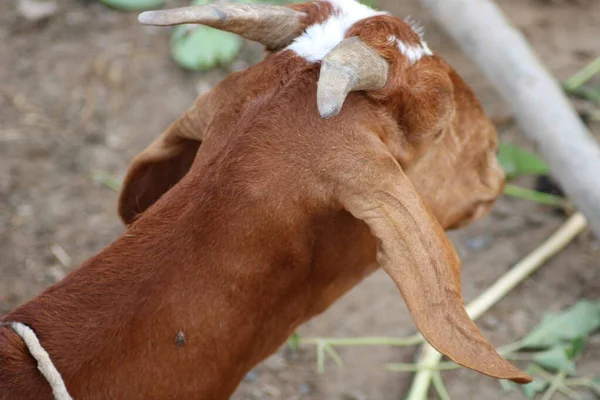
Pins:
<point x="414" y="251"/>
<point x="162" y="164"/>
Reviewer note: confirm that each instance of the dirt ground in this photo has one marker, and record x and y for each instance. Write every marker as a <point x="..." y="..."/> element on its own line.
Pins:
<point x="88" y="89"/>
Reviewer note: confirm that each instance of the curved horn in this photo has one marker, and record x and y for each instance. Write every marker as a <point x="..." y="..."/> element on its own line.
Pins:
<point x="273" y="26"/>
<point x="350" y="66"/>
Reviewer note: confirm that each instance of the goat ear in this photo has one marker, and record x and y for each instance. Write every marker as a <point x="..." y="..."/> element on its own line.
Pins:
<point x="162" y="164"/>
<point x="154" y="171"/>
<point x="414" y="251"/>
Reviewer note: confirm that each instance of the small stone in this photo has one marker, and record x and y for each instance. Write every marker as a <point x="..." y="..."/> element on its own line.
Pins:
<point x="251" y="376"/>
<point x="478" y="243"/>
<point x="305" y="388"/>
<point x="595" y="244"/>
<point x="25" y="210"/>
<point x="594" y="340"/>
<point x="239" y="65"/>
<point x="115" y="141"/>
<point x="35" y="10"/>
<point x="492" y="322"/>
<point x="77" y="17"/>
<point x="355" y="395"/>
<point x="275" y="363"/>
<point x="536" y="220"/>
<point x="271" y="391"/>
<point x="56" y="273"/>
<point x="520" y="322"/>
<point x="203" y="87"/>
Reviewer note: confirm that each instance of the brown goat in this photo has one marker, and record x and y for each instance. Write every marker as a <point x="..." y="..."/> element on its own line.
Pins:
<point x="266" y="202"/>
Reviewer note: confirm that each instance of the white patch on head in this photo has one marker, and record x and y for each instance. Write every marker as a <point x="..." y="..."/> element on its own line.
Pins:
<point x="413" y="52"/>
<point x="319" y="39"/>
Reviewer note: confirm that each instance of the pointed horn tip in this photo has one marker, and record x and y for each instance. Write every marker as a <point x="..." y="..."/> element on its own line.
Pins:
<point x="328" y="110"/>
<point x="330" y="102"/>
<point x="329" y="113"/>
<point x="150" y="18"/>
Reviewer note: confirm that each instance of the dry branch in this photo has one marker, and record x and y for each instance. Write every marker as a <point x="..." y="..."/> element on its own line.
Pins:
<point x="544" y="113"/>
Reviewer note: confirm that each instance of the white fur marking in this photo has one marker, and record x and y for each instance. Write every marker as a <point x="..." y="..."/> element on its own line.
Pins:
<point x="426" y="48"/>
<point x="45" y="365"/>
<point x="319" y="39"/>
<point x="413" y="52"/>
<point x="415" y="26"/>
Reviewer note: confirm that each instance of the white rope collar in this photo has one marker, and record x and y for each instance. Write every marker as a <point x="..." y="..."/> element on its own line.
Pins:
<point x="44" y="363"/>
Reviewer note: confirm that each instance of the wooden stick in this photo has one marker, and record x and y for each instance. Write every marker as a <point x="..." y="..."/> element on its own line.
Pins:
<point x="552" y="246"/>
<point x="543" y="111"/>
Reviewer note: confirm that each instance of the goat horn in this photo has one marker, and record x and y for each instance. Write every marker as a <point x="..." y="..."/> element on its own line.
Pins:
<point x="273" y="26"/>
<point x="351" y="66"/>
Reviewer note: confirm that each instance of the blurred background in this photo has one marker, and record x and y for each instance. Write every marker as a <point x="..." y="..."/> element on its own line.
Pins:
<point x="84" y="88"/>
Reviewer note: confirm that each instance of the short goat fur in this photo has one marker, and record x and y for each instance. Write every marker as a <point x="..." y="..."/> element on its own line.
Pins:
<point x="351" y="146"/>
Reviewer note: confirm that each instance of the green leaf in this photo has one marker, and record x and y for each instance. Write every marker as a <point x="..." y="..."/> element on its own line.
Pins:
<point x="587" y="93"/>
<point x="583" y="75"/>
<point x="133" y="5"/>
<point x="107" y="180"/>
<point x="440" y="387"/>
<point x="556" y="359"/>
<point x="535" y="196"/>
<point x="576" y="348"/>
<point x="200" y="48"/>
<point x="535" y="387"/>
<point x="595" y="386"/>
<point x="555" y="328"/>
<point x="294" y="341"/>
<point x="517" y="161"/>
<point x="370" y="3"/>
<point x="508" y="386"/>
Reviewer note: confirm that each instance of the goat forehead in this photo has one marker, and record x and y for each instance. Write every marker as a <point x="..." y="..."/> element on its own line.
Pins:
<point x="320" y="38"/>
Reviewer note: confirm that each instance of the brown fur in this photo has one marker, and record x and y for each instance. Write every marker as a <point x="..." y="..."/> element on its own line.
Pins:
<point x="316" y="12"/>
<point x="251" y="214"/>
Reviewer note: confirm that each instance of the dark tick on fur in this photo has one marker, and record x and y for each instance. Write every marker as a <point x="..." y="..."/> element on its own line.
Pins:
<point x="180" y="339"/>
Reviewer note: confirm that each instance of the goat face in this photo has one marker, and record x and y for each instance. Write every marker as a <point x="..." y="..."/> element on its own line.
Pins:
<point x="444" y="140"/>
<point x="459" y="176"/>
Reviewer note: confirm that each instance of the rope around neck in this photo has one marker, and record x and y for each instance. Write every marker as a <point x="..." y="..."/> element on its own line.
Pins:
<point x="44" y="363"/>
